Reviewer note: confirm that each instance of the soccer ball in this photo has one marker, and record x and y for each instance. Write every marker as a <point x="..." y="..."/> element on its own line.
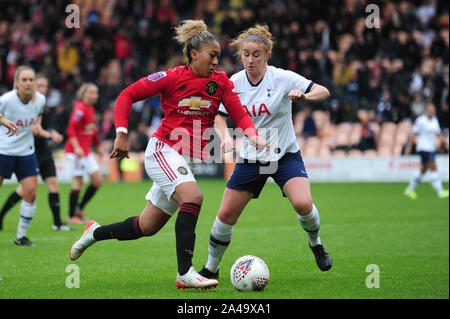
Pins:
<point x="249" y="273"/>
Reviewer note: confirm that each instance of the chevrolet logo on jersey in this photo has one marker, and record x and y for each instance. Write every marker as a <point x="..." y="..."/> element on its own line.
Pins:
<point x="89" y="129"/>
<point x="195" y="103"/>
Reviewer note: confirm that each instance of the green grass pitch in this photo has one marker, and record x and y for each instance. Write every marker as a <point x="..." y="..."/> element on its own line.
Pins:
<point x="361" y="224"/>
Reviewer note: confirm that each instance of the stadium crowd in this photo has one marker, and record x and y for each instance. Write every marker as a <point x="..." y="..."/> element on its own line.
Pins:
<point x="376" y="76"/>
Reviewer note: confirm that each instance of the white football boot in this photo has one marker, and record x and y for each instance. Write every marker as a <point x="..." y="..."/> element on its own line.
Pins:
<point x="193" y="279"/>
<point x="85" y="240"/>
<point x="62" y="228"/>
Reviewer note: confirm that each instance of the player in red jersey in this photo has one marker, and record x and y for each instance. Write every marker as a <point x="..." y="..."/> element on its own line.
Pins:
<point x="190" y="97"/>
<point x="82" y="133"/>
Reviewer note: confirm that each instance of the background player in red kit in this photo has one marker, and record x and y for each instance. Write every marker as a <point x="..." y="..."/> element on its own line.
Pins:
<point x="82" y="133"/>
<point x="190" y="97"/>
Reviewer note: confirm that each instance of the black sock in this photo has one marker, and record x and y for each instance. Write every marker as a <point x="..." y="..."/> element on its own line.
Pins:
<point x="73" y="200"/>
<point x="53" y="201"/>
<point x="10" y="202"/>
<point x="127" y="230"/>
<point x="90" y="191"/>
<point x="185" y="235"/>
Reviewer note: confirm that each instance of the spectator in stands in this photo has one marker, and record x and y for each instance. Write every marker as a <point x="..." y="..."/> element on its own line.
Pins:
<point x="384" y="107"/>
<point x="166" y="12"/>
<point x="142" y="137"/>
<point x="123" y="45"/>
<point x="443" y="118"/>
<point x="335" y="116"/>
<point x="348" y="114"/>
<point x="367" y="140"/>
<point x="107" y="129"/>
<point x="418" y="104"/>
<point x="309" y="125"/>
<point x="68" y="56"/>
<point x="133" y="140"/>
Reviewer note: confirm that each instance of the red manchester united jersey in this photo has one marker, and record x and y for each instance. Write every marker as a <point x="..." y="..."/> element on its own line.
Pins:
<point x="190" y="104"/>
<point x="82" y="125"/>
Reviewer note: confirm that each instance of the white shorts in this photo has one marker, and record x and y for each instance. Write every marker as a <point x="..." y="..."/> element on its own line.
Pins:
<point x="168" y="169"/>
<point x="79" y="166"/>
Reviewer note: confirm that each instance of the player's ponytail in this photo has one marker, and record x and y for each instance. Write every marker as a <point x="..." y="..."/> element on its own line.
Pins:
<point x="192" y="34"/>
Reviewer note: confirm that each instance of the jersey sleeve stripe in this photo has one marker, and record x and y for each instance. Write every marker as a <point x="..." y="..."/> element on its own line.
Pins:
<point x="309" y="87"/>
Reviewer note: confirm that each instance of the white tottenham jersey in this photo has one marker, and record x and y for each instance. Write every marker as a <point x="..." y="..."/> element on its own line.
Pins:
<point x="24" y="116"/>
<point x="427" y="129"/>
<point x="269" y="107"/>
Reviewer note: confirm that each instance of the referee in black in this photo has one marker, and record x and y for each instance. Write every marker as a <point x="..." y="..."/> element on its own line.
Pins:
<point x="46" y="164"/>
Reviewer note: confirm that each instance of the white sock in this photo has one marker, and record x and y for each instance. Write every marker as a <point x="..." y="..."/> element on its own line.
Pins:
<point x="26" y="215"/>
<point x="436" y="182"/>
<point x="414" y="181"/>
<point x="218" y="242"/>
<point x="311" y="224"/>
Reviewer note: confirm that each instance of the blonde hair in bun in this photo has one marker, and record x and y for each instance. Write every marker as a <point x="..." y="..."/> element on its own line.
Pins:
<point x="192" y="34"/>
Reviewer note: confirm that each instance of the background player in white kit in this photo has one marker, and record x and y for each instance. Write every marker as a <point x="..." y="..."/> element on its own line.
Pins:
<point x="267" y="92"/>
<point x="426" y="128"/>
<point x="46" y="164"/>
<point x="22" y="106"/>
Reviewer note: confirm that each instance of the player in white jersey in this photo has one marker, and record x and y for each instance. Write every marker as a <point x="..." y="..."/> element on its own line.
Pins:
<point x="424" y="132"/>
<point x="46" y="165"/>
<point x="267" y="93"/>
<point x="22" y="106"/>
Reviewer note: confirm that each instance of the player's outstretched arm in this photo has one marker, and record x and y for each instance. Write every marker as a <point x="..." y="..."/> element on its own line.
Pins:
<point x="137" y="91"/>
<point x="220" y="124"/>
<point x="12" y="128"/>
<point x="244" y="122"/>
<point x="411" y="141"/>
<point x="121" y="147"/>
<point x="55" y="136"/>
<point x="52" y="135"/>
<point x="318" y="93"/>
<point x="235" y="109"/>
<point x="39" y="131"/>
<point x="258" y="142"/>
